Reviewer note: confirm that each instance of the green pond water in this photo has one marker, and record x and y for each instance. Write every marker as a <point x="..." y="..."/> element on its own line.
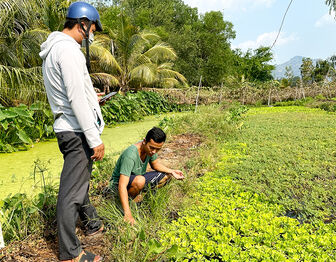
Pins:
<point x="17" y="169"/>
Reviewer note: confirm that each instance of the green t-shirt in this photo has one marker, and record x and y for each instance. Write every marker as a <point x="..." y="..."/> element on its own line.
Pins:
<point x="129" y="163"/>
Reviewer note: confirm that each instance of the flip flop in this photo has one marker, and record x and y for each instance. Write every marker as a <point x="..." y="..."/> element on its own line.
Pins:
<point x="86" y="256"/>
<point x="100" y="230"/>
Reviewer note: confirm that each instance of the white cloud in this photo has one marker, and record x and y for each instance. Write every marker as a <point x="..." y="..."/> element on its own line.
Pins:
<point x="266" y="39"/>
<point x="242" y="5"/>
<point x="327" y="19"/>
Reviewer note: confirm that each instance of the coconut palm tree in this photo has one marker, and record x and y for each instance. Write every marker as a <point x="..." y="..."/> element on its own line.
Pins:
<point x="25" y="25"/>
<point x="20" y="73"/>
<point x="130" y="58"/>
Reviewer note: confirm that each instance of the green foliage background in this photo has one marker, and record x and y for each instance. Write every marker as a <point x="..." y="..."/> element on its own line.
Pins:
<point x="21" y="126"/>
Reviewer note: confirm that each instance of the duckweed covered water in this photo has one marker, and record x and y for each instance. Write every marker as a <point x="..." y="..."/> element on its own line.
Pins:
<point x="17" y="169"/>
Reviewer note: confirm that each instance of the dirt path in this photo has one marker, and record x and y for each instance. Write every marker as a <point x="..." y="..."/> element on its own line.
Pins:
<point x="175" y="154"/>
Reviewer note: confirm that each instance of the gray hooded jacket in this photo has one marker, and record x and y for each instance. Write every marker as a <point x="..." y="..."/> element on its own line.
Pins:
<point x="70" y="92"/>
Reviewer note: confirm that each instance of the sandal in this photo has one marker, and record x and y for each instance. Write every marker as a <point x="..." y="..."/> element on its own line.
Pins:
<point x="100" y="230"/>
<point x="86" y="256"/>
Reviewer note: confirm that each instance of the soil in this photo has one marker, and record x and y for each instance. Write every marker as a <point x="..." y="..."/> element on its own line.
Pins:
<point x="174" y="154"/>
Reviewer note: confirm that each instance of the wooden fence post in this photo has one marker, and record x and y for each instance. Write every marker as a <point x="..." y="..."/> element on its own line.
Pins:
<point x="199" y="86"/>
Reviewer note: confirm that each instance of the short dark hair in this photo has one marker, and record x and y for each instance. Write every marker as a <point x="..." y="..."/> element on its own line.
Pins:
<point x="156" y="134"/>
<point x="70" y="23"/>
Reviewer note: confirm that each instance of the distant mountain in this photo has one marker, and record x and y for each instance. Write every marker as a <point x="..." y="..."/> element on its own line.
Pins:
<point x="295" y="63"/>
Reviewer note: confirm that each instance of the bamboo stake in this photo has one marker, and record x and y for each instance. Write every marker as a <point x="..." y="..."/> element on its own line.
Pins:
<point x="199" y="86"/>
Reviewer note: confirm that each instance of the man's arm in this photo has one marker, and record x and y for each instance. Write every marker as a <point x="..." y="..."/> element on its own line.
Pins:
<point x="156" y="165"/>
<point x="122" y="188"/>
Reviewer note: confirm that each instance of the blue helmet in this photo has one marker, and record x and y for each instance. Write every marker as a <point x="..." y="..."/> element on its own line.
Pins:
<point x="79" y="10"/>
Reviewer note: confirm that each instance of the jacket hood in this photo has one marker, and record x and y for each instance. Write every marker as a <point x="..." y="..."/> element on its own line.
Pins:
<point x="53" y="38"/>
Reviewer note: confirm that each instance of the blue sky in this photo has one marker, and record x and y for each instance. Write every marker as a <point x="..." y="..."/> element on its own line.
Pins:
<point x="309" y="30"/>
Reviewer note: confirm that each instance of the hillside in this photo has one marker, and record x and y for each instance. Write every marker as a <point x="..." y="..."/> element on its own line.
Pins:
<point x="295" y="63"/>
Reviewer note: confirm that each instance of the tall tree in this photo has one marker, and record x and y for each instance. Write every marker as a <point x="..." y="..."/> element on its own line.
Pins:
<point x="331" y="4"/>
<point x="254" y="65"/>
<point x="289" y="74"/>
<point x="202" y="43"/>
<point x="321" y="70"/>
<point x="215" y="35"/>
<point x="307" y="69"/>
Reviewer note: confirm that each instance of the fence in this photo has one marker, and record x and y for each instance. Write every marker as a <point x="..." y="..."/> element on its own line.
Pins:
<point x="246" y="94"/>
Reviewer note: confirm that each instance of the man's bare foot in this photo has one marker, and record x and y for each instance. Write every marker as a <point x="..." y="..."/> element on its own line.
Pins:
<point x="138" y="198"/>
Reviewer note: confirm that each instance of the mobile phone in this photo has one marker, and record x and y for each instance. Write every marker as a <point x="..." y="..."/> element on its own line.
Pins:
<point x="104" y="98"/>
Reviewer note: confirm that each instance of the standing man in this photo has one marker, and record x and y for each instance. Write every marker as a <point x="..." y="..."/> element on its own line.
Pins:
<point x="129" y="176"/>
<point x="78" y="125"/>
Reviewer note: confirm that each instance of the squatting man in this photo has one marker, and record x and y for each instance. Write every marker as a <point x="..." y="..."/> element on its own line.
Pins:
<point x="129" y="177"/>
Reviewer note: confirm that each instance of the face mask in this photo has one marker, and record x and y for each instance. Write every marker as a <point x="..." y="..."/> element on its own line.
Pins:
<point x="90" y="39"/>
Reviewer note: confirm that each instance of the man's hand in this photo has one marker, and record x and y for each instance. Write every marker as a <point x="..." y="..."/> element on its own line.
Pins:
<point x="98" y="152"/>
<point x="100" y="96"/>
<point x="101" y="103"/>
<point x="129" y="219"/>
<point x="177" y="174"/>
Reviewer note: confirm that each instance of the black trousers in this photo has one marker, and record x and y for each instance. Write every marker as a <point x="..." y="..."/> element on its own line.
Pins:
<point x="73" y="199"/>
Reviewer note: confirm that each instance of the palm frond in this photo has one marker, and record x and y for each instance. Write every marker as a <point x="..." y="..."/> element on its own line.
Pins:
<point x="103" y="40"/>
<point x="138" y="59"/>
<point x="169" y="73"/>
<point x="104" y="56"/>
<point x="169" y="82"/>
<point x="104" y="79"/>
<point x="145" y="73"/>
<point x="20" y="76"/>
<point x="138" y="42"/>
<point x="161" y="51"/>
<point x="21" y="84"/>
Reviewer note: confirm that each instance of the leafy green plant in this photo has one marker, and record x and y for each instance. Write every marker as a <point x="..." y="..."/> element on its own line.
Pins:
<point x="135" y="106"/>
<point x="21" y="126"/>
<point x="229" y="223"/>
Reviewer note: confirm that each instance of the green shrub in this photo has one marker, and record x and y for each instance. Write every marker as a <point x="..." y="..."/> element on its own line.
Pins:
<point x="135" y="106"/>
<point x="213" y="122"/>
<point x="300" y="102"/>
<point x="328" y="106"/>
<point x="21" y="126"/>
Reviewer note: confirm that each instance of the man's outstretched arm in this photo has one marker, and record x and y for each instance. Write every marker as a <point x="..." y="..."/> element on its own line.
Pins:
<point x="122" y="188"/>
<point x="156" y="165"/>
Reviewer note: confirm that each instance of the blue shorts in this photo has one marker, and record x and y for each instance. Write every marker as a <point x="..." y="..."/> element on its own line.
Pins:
<point x="152" y="179"/>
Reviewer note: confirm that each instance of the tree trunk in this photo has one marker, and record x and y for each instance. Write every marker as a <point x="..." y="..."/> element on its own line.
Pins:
<point x="303" y="93"/>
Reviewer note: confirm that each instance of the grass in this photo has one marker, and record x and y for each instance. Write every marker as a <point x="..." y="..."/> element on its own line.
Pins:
<point x="288" y="154"/>
<point x="279" y="166"/>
